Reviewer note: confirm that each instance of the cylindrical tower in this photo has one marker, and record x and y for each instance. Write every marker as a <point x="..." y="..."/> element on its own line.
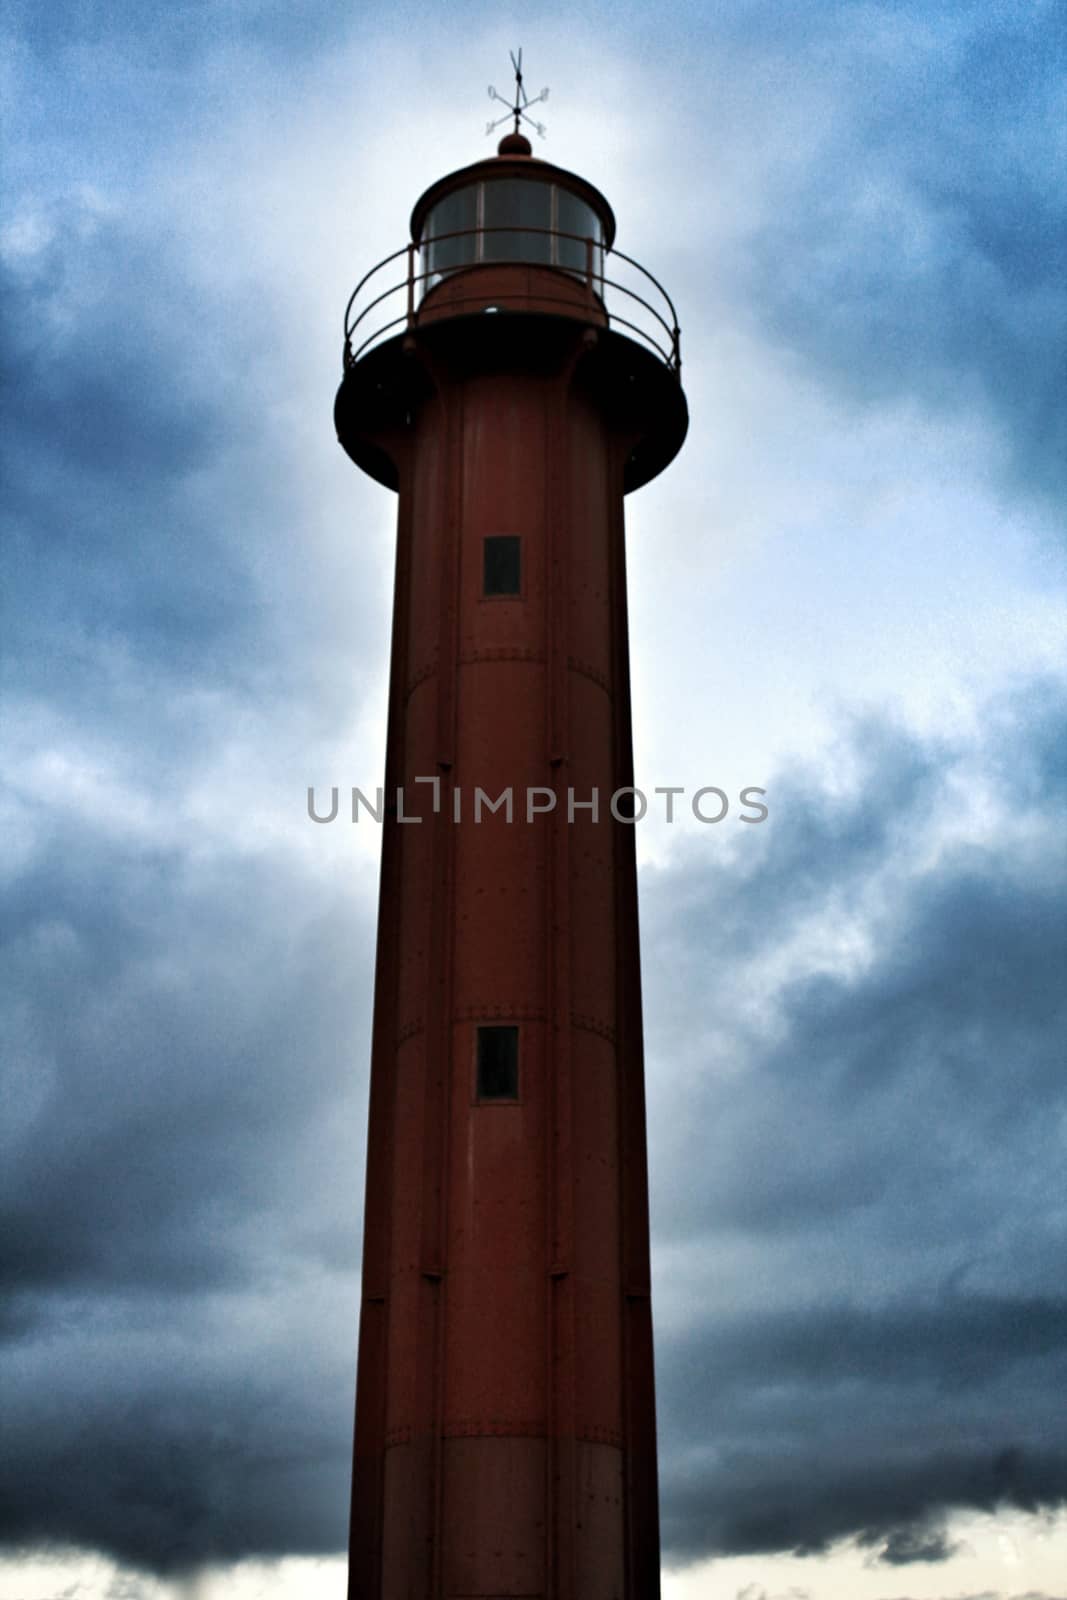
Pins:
<point x="508" y="374"/>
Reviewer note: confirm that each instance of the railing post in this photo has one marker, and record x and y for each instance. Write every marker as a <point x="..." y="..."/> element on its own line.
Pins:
<point x="589" y="264"/>
<point x="411" y="283"/>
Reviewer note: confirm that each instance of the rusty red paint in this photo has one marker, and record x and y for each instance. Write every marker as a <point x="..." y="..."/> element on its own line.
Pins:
<point x="505" y="1428"/>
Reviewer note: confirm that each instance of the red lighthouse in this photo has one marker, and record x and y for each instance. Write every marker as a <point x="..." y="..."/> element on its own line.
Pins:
<point x="512" y="376"/>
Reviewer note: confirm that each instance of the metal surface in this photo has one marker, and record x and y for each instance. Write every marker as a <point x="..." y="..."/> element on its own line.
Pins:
<point x="403" y="297"/>
<point x="520" y="109"/>
<point x="505" y="1423"/>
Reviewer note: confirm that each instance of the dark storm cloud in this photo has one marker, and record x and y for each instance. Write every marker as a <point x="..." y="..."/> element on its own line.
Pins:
<point x="875" y="1158"/>
<point x="170" y="1032"/>
<point x="909" y="1544"/>
<point x="177" y="1045"/>
<point x="919" y="252"/>
<point x="116" y="592"/>
<point x="783" y="873"/>
<point x="184" y="1038"/>
<point x="183" y="1448"/>
<point x="112" y="413"/>
<point x="157" y="586"/>
<point x="788" y="1432"/>
<point x="184" y="1042"/>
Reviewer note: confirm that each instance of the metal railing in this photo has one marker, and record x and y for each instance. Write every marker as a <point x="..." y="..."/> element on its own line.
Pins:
<point x="660" y="330"/>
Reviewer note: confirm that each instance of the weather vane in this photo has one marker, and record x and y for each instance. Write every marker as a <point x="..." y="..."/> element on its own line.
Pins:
<point x="522" y="101"/>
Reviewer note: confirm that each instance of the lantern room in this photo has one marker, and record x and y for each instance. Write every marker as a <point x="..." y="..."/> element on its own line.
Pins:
<point x="513" y="208"/>
<point x="507" y="258"/>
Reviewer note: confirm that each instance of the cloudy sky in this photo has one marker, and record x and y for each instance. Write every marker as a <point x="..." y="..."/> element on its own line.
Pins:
<point x="848" y="589"/>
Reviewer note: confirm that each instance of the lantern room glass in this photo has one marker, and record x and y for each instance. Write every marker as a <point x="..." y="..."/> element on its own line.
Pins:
<point x="508" y="204"/>
<point x="511" y="219"/>
<point x="456" y="214"/>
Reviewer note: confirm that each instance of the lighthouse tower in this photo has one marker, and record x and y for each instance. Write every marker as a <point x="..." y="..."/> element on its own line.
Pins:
<point x="511" y="375"/>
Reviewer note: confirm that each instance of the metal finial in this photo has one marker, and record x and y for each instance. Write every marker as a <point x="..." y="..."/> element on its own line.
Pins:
<point x="522" y="101"/>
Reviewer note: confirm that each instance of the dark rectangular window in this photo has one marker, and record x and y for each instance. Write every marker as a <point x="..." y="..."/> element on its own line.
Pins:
<point x="498" y="1063"/>
<point x="501" y="572"/>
